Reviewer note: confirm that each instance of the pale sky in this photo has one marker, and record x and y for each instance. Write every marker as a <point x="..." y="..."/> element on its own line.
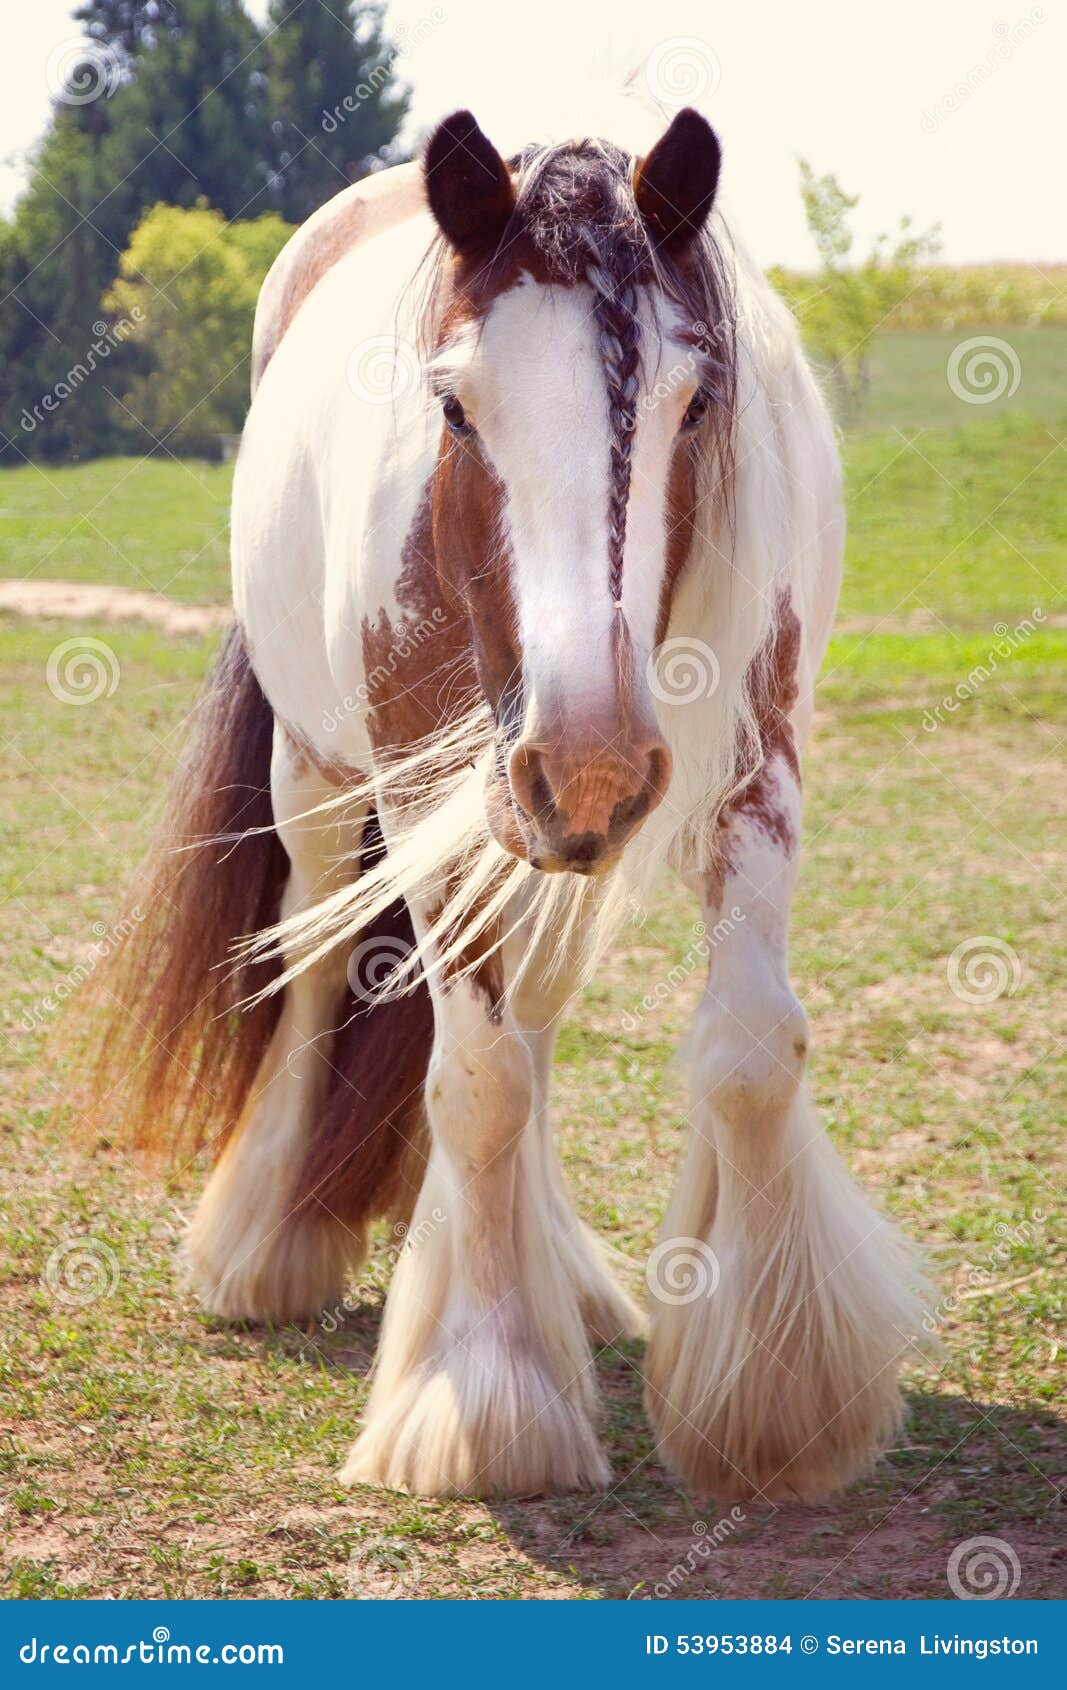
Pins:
<point x="950" y="110"/>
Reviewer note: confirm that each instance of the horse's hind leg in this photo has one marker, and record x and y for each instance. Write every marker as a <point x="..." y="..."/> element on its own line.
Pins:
<point x="781" y="1302"/>
<point x="252" y="1253"/>
<point x="484" y="1381"/>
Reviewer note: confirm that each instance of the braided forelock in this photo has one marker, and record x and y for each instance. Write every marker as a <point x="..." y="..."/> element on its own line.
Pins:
<point x="619" y="341"/>
<point x="575" y="205"/>
<point x="578" y="207"/>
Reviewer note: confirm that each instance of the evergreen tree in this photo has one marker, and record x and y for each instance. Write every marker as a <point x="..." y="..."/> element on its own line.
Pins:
<point x="127" y="26"/>
<point x="202" y="107"/>
<point x="332" y="99"/>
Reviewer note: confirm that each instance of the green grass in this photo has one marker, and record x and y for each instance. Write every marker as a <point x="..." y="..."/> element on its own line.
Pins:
<point x="910" y="381"/>
<point x="155" y="524"/>
<point x="149" y="1451"/>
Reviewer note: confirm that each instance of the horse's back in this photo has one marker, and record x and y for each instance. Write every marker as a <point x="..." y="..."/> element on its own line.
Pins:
<point x="355" y="216"/>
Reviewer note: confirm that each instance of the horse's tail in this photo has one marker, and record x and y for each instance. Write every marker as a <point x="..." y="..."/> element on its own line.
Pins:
<point x="185" y="1024"/>
<point x="177" y="1059"/>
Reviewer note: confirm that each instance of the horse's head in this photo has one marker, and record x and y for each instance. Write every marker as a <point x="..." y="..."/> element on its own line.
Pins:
<point x="582" y="359"/>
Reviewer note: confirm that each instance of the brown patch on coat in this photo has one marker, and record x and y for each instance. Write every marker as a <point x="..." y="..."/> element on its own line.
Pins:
<point x="479" y="961"/>
<point x="306" y="755"/>
<point x="680" y="506"/>
<point x="412" y="697"/>
<point x="773" y="689"/>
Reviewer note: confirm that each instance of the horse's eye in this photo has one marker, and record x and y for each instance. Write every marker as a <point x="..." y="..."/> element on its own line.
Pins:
<point x="455" y="416"/>
<point x="696" y="411"/>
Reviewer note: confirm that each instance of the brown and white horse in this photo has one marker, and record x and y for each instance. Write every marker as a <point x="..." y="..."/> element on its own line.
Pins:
<point x="537" y="538"/>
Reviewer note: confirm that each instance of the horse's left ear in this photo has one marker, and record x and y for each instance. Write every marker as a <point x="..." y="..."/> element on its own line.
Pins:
<point x="467" y="185"/>
<point x="674" y="186"/>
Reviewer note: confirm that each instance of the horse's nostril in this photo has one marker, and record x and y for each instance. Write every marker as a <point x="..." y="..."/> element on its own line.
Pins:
<point x="657" y="773"/>
<point x="530" y="785"/>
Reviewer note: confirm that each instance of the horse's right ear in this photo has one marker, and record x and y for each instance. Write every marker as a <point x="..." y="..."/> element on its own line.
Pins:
<point x="467" y="185"/>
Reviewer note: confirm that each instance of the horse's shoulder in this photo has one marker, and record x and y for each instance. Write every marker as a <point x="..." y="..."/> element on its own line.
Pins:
<point x="356" y="215"/>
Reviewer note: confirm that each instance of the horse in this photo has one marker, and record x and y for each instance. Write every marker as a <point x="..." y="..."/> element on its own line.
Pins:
<point x="537" y="537"/>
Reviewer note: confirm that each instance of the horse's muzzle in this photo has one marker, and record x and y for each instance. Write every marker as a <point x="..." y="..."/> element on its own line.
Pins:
<point x="574" y="809"/>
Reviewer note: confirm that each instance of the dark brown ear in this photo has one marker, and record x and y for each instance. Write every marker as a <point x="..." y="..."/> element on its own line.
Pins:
<point x="675" y="185"/>
<point x="467" y="185"/>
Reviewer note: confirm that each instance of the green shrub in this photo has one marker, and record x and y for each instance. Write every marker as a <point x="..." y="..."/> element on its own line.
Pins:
<point x="187" y="285"/>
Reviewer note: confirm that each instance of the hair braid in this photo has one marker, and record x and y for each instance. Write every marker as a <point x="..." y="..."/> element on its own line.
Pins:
<point x="615" y="314"/>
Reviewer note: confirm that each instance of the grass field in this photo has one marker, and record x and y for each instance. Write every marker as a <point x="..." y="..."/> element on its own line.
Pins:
<point x="149" y="1451"/>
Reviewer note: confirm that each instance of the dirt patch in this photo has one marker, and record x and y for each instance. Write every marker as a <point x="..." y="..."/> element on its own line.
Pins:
<point x="84" y="601"/>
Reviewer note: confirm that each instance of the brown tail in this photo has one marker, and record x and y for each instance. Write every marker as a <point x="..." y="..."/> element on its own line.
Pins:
<point x="178" y="1057"/>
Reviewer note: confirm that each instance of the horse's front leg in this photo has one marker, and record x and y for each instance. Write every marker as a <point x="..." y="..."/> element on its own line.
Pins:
<point x="484" y="1381"/>
<point x="781" y="1301"/>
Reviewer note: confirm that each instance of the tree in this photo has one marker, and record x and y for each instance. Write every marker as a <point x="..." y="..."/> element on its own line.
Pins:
<point x="187" y="284"/>
<point x="332" y="100"/>
<point x="841" y="308"/>
<point x="127" y="27"/>
<point x="195" y="104"/>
